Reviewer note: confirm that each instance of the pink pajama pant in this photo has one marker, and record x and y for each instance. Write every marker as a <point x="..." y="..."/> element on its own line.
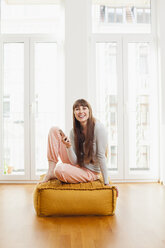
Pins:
<point x="66" y="171"/>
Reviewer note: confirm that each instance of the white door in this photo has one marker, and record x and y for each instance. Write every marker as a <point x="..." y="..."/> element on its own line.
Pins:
<point x="108" y="96"/>
<point x="14" y="114"/>
<point x="141" y="117"/>
<point x="32" y="100"/>
<point x="126" y="100"/>
<point x="47" y="99"/>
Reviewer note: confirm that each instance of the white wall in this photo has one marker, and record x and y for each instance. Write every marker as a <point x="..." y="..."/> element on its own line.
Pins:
<point x="76" y="57"/>
<point x="161" y="46"/>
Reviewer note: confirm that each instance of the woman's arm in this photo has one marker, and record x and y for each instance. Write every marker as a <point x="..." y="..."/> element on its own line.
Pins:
<point x="102" y="142"/>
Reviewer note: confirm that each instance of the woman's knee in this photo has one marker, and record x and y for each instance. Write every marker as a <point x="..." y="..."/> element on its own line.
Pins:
<point x="54" y="133"/>
<point x="53" y="130"/>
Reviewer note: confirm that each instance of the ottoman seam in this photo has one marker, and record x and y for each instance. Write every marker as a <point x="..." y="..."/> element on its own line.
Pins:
<point x="80" y="189"/>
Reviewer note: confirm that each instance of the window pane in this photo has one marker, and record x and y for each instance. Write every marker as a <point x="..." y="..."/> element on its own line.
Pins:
<point x="106" y="76"/>
<point x="121" y="16"/>
<point x="111" y="15"/>
<point x="13" y="108"/>
<point x="31" y="18"/>
<point x="140" y="108"/>
<point x="140" y="16"/>
<point x="49" y="99"/>
<point x="147" y="16"/>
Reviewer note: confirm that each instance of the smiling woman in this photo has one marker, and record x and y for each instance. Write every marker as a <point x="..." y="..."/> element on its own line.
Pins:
<point x="83" y="155"/>
<point x="82" y="114"/>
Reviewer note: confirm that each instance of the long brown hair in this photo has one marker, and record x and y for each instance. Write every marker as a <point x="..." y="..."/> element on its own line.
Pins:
<point x="79" y="137"/>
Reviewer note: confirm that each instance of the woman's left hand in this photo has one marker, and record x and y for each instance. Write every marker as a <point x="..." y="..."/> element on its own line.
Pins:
<point x="66" y="141"/>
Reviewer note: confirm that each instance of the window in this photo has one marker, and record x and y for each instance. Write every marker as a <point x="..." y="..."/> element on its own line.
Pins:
<point x="47" y="96"/>
<point x="32" y="85"/>
<point x="13" y="133"/>
<point x="31" y="18"/>
<point x="143" y="15"/>
<point x="110" y="62"/>
<point x="121" y="16"/>
<point x="126" y="87"/>
<point x="107" y="90"/>
<point x="110" y="15"/>
<point x="141" y="89"/>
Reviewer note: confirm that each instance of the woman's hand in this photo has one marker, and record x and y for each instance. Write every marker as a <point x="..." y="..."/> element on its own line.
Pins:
<point x="65" y="139"/>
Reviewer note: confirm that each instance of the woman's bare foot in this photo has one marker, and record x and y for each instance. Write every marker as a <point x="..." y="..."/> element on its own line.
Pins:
<point x="47" y="177"/>
<point x="50" y="174"/>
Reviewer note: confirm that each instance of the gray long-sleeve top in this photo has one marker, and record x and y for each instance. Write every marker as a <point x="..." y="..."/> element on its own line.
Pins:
<point x="100" y="143"/>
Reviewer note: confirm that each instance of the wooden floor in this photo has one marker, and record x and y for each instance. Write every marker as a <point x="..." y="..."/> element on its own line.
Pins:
<point x="139" y="221"/>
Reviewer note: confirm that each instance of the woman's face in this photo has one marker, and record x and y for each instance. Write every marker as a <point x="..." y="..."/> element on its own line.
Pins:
<point x="81" y="114"/>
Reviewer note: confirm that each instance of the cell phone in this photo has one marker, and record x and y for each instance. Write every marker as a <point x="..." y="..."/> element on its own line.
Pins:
<point x="62" y="134"/>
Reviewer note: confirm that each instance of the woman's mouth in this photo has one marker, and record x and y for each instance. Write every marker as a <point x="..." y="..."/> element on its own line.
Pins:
<point x="81" y="116"/>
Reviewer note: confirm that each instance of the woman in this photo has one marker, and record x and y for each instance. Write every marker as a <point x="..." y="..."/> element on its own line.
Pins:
<point x="83" y="155"/>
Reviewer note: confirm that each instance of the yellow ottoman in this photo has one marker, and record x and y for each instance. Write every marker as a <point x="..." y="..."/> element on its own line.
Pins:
<point x="63" y="199"/>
